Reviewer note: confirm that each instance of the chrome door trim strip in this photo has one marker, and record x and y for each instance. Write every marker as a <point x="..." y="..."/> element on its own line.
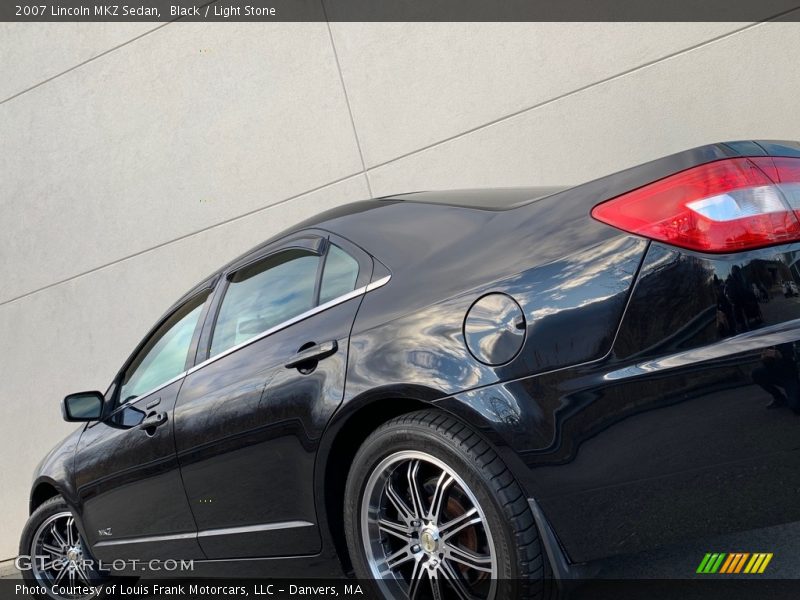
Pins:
<point x="254" y="528"/>
<point x="207" y="533"/>
<point x="148" y="539"/>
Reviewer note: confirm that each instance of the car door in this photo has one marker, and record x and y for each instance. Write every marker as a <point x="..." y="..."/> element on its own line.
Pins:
<point x="132" y="499"/>
<point x="271" y="373"/>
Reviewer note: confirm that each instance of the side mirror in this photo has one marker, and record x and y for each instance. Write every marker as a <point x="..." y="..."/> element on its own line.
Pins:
<point x="83" y="406"/>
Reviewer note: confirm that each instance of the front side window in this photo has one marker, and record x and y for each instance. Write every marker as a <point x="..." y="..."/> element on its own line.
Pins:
<point x="164" y="355"/>
<point x="263" y="295"/>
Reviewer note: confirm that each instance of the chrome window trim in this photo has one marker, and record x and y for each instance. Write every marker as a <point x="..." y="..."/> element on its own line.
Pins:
<point x="289" y="322"/>
<point x="374" y="285"/>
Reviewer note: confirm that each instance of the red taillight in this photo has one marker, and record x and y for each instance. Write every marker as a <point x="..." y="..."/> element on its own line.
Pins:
<point x="725" y="206"/>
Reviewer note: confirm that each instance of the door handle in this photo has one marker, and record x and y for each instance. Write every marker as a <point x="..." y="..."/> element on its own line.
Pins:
<point x="153" y="421"/>
<point x="316" y="352"/>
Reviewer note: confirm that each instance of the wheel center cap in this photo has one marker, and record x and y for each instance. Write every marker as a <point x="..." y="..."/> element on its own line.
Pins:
<point x="73" y="554"/>
<point x="429" y="540"/>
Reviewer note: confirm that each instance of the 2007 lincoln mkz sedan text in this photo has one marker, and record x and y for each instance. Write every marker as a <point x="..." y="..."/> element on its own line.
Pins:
<point x="458" y="394"/>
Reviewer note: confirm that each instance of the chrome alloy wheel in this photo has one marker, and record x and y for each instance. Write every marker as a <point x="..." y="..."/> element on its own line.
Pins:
<point x="424" y="533"/>
<point x="58" y="556"/>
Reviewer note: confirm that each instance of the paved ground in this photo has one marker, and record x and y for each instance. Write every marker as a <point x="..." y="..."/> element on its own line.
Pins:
<point x="7" y="569"/>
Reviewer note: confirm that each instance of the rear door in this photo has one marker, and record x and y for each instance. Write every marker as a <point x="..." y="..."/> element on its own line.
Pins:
<point x="271" y="371"/>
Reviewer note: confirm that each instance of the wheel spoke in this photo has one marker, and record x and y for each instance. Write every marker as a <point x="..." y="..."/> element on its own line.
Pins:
<point x="52" y="564"/>
<point x="479" y="562"/>
<point x="436" y="586"/>
<point x="61" y="573"/>
<point x="81" y="573"/>
<point x="57" y="536"/>
<point x="396" y="529"/>
<point x="455" y="581"/>
<point x="49" y="548"/>
<point x="416" y="579"/>
<point x="415" y="514"/>
<point x="452" y="527"/>
<point x="399" y="504"/>
<point x="70" y="538"/>
<point x="398" y="558"/>
<point x="442" y="486"/>
<point x="413" y="489"/>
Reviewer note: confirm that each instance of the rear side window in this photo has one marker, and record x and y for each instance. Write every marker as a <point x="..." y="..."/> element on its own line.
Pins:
<point x="263" y="295"/>
<point x="339" y="276"/>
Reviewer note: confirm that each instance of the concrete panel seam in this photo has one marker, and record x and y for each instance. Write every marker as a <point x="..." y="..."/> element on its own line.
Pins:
<point x="182" y="237"/>
<point x="347" y="99"/>
<point x="79" y="65"/>
<point x="576" y="91"/>
<point x="365" y="171"/>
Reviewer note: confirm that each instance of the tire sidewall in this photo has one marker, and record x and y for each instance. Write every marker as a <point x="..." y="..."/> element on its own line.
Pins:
<point x="414" y="436"/>
<point x="43" y="512"/>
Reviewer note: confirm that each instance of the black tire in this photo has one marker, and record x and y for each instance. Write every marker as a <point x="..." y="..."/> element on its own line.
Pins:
<point x="521" y="565"/>
<point x="51" y="509"/>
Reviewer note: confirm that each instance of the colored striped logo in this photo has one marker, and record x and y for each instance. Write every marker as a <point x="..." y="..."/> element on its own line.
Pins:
<point x="736" y="562"/>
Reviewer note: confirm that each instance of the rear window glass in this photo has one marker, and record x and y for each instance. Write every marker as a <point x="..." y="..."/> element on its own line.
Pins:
<point x="339" y="276"/>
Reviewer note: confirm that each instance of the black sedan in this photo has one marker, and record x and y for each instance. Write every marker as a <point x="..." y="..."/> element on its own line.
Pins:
<point x="456" y="394"/>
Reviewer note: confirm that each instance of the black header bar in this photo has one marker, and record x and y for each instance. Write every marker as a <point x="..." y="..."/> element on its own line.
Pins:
<point x="398" y="10"/>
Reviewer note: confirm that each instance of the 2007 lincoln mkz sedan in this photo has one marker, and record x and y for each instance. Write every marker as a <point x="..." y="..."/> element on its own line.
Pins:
<point x="458" y="394"/>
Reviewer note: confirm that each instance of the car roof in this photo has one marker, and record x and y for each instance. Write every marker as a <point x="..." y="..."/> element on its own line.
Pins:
<point x="480" y="198"/>
<point x="488" y="224"/>
<point x="411" y="215"/>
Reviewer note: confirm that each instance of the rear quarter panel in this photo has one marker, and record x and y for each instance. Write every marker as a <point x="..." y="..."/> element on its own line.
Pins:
<point x="572" y="307"/>
<point x="667" y="438"/>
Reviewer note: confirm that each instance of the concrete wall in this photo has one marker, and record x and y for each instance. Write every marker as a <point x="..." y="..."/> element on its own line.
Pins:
<point x="136" y="158"/>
